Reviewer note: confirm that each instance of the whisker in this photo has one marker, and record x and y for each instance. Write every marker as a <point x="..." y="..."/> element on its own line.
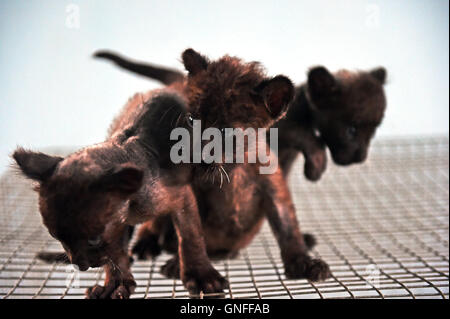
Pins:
<point x="116" y="267"/>
<point x="221" y="177"/>
<point x="178" y="119"/>
<point x="223" y="169"/>
<point x="165" y="113"/>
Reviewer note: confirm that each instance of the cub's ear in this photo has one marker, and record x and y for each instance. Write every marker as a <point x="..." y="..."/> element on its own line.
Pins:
<point x="321" y="82"/>
<point x="37" y="166"/>
<point x="193" y="61"/>
<point x="124" y="179"/>
<point x="379" y="74"/>
<point x="277" y="93"/>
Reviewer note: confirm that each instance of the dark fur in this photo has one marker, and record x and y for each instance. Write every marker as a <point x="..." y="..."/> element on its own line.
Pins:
<point x="88" y="199"/>
<point x="228" y="93"/>
<point x="127" y="179"/>
<point x="323" y="118"/>
<point x="340" y="111"/>
<point x="164" y="75"/>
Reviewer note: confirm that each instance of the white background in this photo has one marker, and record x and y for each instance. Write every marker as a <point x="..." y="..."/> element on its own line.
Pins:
<point x="53" y="93"/>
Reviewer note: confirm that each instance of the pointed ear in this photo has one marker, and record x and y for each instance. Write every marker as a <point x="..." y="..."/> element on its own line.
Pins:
<point x="34" y="165"/>
<point x="124" y="179"/>
<point x="321" y="82"/>
<point x="193" y="61"/>
<point x="379" y="74"/>
<point x="277" y="93"/>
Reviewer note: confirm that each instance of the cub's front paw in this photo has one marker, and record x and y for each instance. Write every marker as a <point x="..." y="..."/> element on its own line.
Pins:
<point x="315" y="165"/>
<point x="146" y="247"/>
<point x="115" y="289"/>
<point x="304" y="267"/>
<point x="204" y="279"/>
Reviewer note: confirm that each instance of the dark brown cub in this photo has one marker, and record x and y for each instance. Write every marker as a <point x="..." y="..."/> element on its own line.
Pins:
<point x="341" y="112"/>
<point x="89" y="199"/>
<point x="228" y="93"/>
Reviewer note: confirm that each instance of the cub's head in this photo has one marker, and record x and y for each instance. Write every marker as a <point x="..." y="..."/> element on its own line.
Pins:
<point x="79" y="201"/>
<point x="348" y="107"/>
<point x="231" y="94"/>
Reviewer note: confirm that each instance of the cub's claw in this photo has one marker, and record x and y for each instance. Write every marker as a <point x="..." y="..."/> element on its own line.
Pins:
<point x="206" y="280"/>
<point x="304" y="267"/>
<point x="318" y="270"/>
<point x="117" y="289"/>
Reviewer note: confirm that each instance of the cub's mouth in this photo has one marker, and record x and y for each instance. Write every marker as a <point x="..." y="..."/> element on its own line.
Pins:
<point x="85" y="264"/>
<point x="348" y="158"/>
<point x="96" y="264"/>
<point x="215" y="173"/>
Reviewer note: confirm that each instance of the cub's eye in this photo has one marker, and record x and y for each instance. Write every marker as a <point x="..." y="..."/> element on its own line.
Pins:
<point x="190" y="120"/>
<point x="95" y="242"/>
<point x="351" y="131"/>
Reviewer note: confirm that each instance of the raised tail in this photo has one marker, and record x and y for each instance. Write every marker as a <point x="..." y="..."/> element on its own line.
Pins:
<point x="161" y="74"/>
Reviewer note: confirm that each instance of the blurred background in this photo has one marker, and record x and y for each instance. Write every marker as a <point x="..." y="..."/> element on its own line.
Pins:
<point x="52" y="93"/>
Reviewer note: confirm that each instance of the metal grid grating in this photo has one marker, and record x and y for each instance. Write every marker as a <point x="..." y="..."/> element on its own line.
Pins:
<point x="382" y="227"/>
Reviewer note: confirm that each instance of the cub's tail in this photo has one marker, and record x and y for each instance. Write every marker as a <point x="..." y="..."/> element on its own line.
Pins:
<point x="164" y="75"/>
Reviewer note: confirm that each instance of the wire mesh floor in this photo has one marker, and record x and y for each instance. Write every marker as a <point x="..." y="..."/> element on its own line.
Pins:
<point x="383" y="227"/>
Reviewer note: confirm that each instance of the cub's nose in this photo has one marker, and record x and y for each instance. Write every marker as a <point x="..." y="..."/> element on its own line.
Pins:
<point x="83" y="266"/>
<point x="80" y="262"/>
<point x="360" y="155"/>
